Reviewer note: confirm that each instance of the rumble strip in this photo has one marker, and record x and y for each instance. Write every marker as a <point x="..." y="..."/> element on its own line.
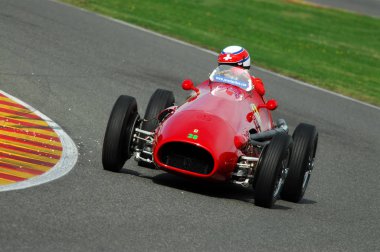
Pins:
<point x="33" y="148"/>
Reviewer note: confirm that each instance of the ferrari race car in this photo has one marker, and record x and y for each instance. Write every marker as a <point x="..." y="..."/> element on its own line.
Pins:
<point x="223" y="132"/>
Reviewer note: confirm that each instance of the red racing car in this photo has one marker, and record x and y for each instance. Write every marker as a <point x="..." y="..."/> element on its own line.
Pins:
<point x="223" y="132"/>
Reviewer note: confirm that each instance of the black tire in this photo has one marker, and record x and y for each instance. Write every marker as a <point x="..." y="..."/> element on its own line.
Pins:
<point x="117" y="145"/>
<point x="160" y="100"/>
<point x="305" y="142"/>
<point x="272" y="170"/>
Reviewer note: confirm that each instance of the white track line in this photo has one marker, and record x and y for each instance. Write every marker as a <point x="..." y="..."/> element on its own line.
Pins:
<point x="65" y="164"/>
<point x="214" y="53"/>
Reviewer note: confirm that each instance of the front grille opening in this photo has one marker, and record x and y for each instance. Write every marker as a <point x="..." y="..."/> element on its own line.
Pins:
<point x="187" y="157"/>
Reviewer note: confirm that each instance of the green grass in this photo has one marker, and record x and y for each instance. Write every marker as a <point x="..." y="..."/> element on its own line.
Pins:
<point x="329" y="48"/>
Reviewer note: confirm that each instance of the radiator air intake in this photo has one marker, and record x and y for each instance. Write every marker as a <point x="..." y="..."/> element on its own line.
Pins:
<point x="187" y="157"/>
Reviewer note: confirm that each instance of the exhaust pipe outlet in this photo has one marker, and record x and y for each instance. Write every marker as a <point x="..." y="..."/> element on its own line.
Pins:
<point x="281" y="128"/>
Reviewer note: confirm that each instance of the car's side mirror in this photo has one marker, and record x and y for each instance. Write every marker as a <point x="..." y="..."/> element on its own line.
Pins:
<point x="189" y="85"/>
<point x="270" y="105"/>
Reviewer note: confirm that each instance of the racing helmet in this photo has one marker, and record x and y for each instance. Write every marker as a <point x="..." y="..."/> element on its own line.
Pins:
<point x="235" y="56"/>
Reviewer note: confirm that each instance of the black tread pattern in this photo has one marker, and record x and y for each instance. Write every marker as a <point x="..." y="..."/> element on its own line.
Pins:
<point x="305" y="139"/>
<point x="119" y="133"/>
<point x="270" y="169"/>
<point x="160" y="100"/>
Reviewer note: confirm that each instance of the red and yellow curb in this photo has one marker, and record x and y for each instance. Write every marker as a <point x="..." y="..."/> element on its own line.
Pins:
<point x="29" y="146"/>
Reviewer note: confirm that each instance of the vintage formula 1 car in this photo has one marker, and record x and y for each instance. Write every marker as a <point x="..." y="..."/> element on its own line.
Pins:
<point x="223" y="132"/>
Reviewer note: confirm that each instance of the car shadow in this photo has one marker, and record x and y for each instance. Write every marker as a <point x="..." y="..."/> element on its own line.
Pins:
<point x="210" y="189"/>
<point x="307" y="202"/>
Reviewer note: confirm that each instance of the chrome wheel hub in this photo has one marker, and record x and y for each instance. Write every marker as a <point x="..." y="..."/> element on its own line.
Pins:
<point x="281" y="180"/>
<point x="306" y="177"/>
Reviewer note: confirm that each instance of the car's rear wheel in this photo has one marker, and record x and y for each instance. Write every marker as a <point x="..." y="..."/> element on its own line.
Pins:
<point x="305" y="141"/>
<point x="160" y="100"/>
<point x="271" y="171"/>
<point x="118" y="139"/>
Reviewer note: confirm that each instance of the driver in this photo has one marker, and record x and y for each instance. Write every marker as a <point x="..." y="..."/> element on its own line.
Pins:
<point x="238" y="56"/>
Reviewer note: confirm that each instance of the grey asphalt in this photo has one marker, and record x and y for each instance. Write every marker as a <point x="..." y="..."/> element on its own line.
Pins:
<point x="72" y="66"/>
<point x="367" y="7"/>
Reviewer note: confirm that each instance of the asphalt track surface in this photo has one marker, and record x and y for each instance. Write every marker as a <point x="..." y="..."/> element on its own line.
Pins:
<point x="72" y="65"/>
<point x="367" y="7"/>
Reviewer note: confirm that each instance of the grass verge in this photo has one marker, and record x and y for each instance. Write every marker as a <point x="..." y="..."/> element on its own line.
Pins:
<point x="333" y="49"/>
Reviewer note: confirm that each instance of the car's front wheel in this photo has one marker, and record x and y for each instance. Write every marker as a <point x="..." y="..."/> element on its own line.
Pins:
<point x="271" y="171"/>
<point x="160" y="100"/>
<point x="118" y="139"/>
<point x="305" y="141"/>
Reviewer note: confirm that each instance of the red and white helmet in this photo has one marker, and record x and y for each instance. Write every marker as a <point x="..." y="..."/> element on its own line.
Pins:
<point x="236" y="56"/>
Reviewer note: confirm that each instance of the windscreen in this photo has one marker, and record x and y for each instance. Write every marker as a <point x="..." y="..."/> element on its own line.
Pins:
<point x="235" y="76"/>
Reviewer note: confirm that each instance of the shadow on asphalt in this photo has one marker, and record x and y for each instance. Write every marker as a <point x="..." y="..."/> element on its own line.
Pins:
<point x="211" y="189"/>
<point x="307" y="202"/>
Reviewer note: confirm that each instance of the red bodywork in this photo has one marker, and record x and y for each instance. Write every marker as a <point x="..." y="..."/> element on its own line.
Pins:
<point x="218" y="119"/>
